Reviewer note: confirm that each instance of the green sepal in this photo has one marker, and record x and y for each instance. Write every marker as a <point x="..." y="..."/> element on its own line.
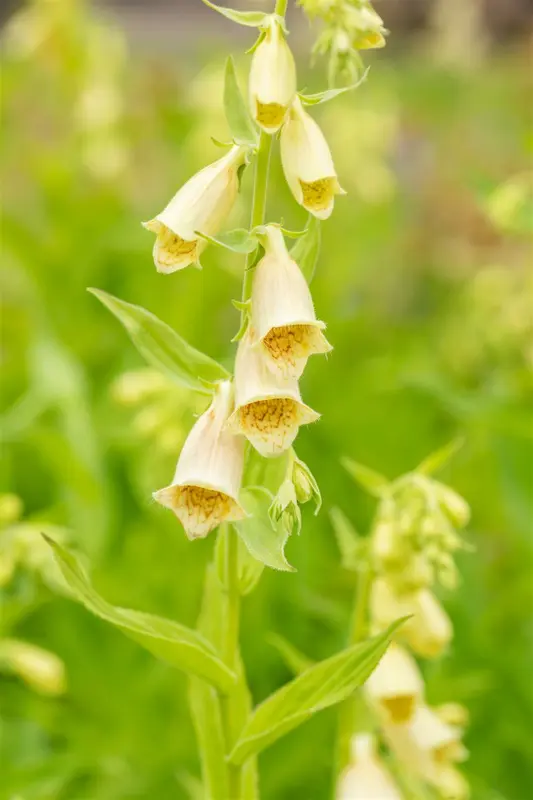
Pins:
<point x="320" y="686"/>
<point x="163" y="348"/>
<point x="169" y="641"/>
<point x="330" y="94"/>
<point x="373" y="482"/>
<point x="251" y="19"/>
<point x="238" y="116"/>
<point x="245" y="308"/>
<point x="238" y="241"/>
<point x="265" y="542"/>
<point x="435" y="461"/>
<point x="307" y="249"/>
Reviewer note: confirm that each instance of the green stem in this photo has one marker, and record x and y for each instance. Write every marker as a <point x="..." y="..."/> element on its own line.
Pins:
<point x="348" y="709"/>
<point x="262" y="165"/>
<point x="230" y="649"/>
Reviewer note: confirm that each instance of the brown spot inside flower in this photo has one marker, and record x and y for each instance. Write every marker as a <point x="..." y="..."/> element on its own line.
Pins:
<point x="317" y="195"/>
<point x="290" y="345"/>
<point x="198" y="509"/>
<point x="270" y="115"/>
<point x="400" y="708"/>
<point x="271" y="425"/>
<point x="172" y="249"/>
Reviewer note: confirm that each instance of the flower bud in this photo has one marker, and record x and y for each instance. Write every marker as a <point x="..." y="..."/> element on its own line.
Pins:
<point x="201" y="205"/>
<point x="206" y="484"/>
<point x="285" y="508"/>
<point x="428" y="632"/>
<point x="268" y="408"/>
<point x="41" y="670"/>
<point x="283" y="319"/>
<point x="305" y="484"/>
<point x="366" y="778"/>
<point x="395" y="687"/>
<point x="453" y="505"/>
<point x="307" y="163"/>
<point x="367" y="28"/>
<point x="272" y="83"/>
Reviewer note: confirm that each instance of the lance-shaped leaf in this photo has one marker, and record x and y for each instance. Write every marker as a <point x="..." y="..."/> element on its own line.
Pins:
<point x="369" y="479"/>
<point x="322" y="685"/>
<point x="307" y="249"/>
<point x="251" y="19"/>
<point x="330" y="94"/>
<point x="237" y="114"/>
<point x="168" y="640"/>
<point x="440" y="457"/>
<point x="351" y="545"/>
<point x="264" y="541"/>
<point x="294" y="659"/>
<point x="163" y="348"/>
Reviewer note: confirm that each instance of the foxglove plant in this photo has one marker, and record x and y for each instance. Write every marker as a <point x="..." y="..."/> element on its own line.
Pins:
<point x="237" y="472"/>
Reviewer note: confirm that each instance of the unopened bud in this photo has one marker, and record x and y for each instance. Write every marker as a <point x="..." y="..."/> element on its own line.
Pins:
<point x="454" y="505"/>
<point x="272" y="79"/>
<point x="305" y="484"/>
<point x="285" y="508"/>
<point x="40" y="669"/>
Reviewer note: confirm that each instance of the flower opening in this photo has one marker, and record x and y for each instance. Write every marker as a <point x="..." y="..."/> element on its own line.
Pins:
<point x="272" y="83"/>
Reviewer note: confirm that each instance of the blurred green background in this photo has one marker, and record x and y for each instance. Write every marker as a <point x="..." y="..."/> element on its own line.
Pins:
<point x="425" y="280"/>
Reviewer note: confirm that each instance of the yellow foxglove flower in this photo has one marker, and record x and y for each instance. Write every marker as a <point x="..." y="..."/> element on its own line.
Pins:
<point x="205" y="488"/>
<point x="367" y="26"/>
<point x="366" y="778"/>
<point x="428" y="632"/>
<point x="283" y="319"/>
<point x="307" y="163"/>
<point x="426" y="745"/>
<point x="396" y="687"/>
<point x="201" y="205"/>
<point x="272" y="84"/>
<point x="268" y="408"/>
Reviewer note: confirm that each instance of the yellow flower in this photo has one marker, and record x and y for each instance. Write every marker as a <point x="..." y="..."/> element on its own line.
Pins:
<point x="201" y="205"/>
<point x="205" y="488"/>
<point x="307" y="163"/>
<point x="366" y="778"/>
<point x="428" y="632"/>
<point x="429" y="748"/>
<point x="283" y="319"/>
<point x="268" y="408"/>
<point x="272" y="84"/>
<point x="396" y="687"/>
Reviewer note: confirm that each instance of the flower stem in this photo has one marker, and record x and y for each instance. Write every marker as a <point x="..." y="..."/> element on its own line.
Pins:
<point x="349" y="708"/>
<point x="230" y="649"/>
<point x="259" y="198"/>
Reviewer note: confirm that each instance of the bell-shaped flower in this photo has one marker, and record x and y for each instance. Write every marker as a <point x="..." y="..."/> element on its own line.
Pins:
<point x="366" y="778"/>
<point x="272" y="84"/>
<point x="268" y="408"/>
<point x="427" y="747"/>
<point x="395" y="688"/>
<point x="307" y="163"/>
<point x="200" y="206"/>
<point x="428" y="632"/>
<point x="283" y="319"/>
<point x="205" y="488"/>
<point x="366" y="27"/>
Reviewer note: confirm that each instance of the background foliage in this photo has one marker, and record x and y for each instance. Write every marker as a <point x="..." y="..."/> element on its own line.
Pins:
<point x="426" y="284"/>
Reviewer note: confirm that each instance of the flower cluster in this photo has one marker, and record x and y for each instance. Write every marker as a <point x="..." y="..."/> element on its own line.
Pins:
<point x="349" y="26"/>
<point x="261" y="403"/>
<point x="411" y="549"/>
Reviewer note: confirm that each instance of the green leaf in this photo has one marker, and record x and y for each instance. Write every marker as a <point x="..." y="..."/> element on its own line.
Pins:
<point x="307" y="249"/>
<point x="369" y="479"/>
<point x="206" y="716"/>
<point x="295" y="660"/>
<point x="237" y="114"/>
<point x="266" y="472"/>
<point x="251" y="19"/>
<point x="265" y="542"/>
<point x="321" y="686"/>
<point x="238" y="240"/>
<point x="350" y="544"/>
<point x="440" y="457"/>
<point x="163" y="348"/>
<point x="330" y="94"/>
<point x="168" y="640"/>
<point x="249" y="568"/>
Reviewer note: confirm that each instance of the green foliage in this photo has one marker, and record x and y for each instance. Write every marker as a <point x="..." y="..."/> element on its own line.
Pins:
<point x="164" y="348"/>
<point x="178" y="645"/>
<point x="307" y="249"/>
<point x="237" y="114"/>
<point x="318" y="687"/>
<point x="265" y="540"/>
